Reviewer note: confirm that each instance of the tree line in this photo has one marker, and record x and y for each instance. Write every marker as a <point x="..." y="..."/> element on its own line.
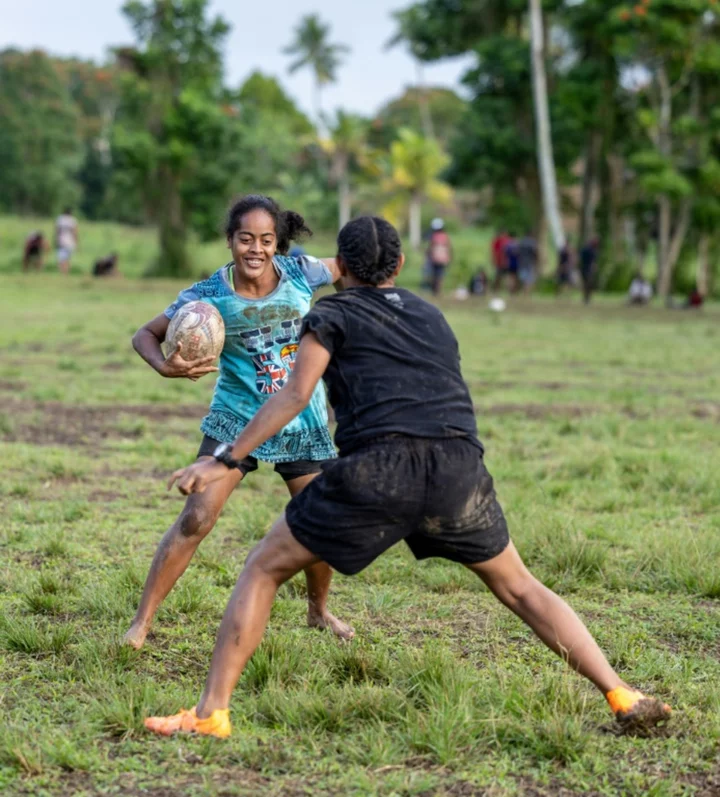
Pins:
<point x="633" y="95"/>
<point x="156" y="135"/>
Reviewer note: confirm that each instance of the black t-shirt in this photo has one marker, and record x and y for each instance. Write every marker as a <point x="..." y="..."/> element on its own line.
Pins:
<point x="395" y="367"/>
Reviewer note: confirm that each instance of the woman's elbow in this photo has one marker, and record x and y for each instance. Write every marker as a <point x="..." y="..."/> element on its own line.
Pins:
<point x="136" y="338"/>
<point x="299" y="395"/>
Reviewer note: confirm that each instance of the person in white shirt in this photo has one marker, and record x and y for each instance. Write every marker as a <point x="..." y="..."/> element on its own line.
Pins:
<point x="640" y="290"/>
<point x="66" y="239"/>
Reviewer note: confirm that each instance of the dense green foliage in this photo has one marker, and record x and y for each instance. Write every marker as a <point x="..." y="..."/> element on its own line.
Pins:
<point x="156" y="136"/>
<point x="633" y="95"/>
<point x="40" y="139"/>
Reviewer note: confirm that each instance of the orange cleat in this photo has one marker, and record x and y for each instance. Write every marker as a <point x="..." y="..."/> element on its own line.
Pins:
<point x="633" y="708"/>
<point x="217" y="724"/>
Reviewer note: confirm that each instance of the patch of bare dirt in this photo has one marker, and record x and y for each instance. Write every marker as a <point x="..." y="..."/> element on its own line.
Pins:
<point x="537" y="411"/>
<point x="104" y="496"/>
<point x="117" y="365"/>
<point x="55" y="423"/>
<point x="706" y="784"/>
<point x="11" y="386"/>
<point x="530" y="788"/>
<point x="707" y="410"/>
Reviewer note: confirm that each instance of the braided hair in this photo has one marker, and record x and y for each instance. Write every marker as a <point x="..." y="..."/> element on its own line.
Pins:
<point x="371" y="249"/>
<point x="289" y="226"/>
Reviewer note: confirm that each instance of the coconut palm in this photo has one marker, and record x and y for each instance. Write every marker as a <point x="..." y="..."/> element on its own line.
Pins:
<point x="346" y="147"/>
<point x="414" y="167"/>
<point x="311" y="48"/>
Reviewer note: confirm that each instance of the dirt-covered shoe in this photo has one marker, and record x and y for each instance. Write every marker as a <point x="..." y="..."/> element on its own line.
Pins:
<point x="634" y="709"/>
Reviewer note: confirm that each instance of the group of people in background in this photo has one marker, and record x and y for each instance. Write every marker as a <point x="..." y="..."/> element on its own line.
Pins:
<point x="66" y="243"/>
<point x="515" y="261"/>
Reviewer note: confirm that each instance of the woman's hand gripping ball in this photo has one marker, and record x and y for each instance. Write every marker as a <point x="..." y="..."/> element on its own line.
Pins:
<point x="175" y="367"/>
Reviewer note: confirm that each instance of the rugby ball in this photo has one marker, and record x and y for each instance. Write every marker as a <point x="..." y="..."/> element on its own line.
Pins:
<point x="200" y="329"/>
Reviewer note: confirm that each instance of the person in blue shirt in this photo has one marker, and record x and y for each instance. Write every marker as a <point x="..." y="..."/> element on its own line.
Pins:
<point x="262" y="296"/>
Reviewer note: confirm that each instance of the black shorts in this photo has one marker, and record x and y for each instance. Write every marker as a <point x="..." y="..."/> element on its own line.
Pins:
<point x="438" y="270"/>
<point x="435" y="494"/>
<point x="288" y="470"/>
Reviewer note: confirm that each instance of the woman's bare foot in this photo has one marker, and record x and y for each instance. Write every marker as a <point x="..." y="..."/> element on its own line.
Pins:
<point x="323" y="619"/>
<point x="135" y="637"/>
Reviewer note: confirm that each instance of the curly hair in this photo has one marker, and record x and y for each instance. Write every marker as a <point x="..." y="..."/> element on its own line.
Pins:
<point x="371" y="249"/>
<point x="289" y="226"/>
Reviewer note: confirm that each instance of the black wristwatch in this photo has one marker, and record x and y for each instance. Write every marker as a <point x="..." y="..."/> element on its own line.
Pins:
<point x="223" y="453"/>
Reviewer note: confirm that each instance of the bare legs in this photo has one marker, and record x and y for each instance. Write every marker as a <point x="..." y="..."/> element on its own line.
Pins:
<point x="176" y="549"/>
<point x="182" y="539"/>
<point x="547" y="614"/>
<point x="279" y="556"/>
<point x="318" y="577"/>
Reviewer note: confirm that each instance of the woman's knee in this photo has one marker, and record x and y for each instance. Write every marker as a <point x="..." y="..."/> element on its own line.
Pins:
<point x="197" y="519"/>
<point x="518" y="590"/>
<point x="278" y="555"/>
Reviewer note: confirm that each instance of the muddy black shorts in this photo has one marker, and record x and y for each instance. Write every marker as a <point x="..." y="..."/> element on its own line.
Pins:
<point x="288" y="470"/>
<point x="435" y="494"/>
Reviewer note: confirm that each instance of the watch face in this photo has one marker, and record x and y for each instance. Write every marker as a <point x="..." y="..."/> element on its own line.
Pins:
<point x="221" y="449"/>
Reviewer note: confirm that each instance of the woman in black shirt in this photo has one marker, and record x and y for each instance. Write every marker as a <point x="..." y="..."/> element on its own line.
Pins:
<point x="410" y="468"/>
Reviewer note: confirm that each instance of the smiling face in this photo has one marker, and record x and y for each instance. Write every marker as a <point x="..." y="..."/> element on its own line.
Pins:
<point x="253" y="246"/>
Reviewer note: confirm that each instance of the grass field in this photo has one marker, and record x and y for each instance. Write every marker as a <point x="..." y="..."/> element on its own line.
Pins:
<point x="137" y="248"/>
<point x="602" y="430"/>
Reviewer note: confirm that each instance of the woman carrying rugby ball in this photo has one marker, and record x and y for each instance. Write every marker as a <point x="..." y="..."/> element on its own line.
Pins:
<point x="262" y="296"/>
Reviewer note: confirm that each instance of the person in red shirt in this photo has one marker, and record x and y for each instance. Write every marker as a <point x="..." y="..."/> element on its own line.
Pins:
<point x="499" y="256"/>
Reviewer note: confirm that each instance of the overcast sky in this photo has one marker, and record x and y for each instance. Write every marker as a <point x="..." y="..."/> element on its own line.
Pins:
<point x="260" y="29"/>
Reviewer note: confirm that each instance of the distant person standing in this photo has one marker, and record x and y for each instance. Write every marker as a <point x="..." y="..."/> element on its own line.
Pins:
<point x="34" y="251"/>
<point x="640" y="292"/>
<point x="512" y="258"/>
<point x="566" y="263"/>
<point x="528" y="261"/>
<point x="499" y="243"/>
<point x="66" y="239"/>
<point x="588" y="268"/>
<point x="439" y="254"/>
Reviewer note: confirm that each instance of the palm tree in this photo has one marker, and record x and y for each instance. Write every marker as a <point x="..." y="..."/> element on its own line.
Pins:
<point x="546" y="160"/>
<point x="414" y="166"/>
<point x="346" y="146"/>
<point x="311" y="48"/>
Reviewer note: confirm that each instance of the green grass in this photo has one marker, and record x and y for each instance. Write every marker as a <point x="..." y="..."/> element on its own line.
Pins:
<point x="602" y="429"/>
<point x="137" y="248"/>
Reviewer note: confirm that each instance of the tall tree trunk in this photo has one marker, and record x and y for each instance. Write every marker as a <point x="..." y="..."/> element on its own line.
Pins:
<point x="415" y="221"/>
<point x="664" y="222"/>
<point x="344" y="198"/>
<point x="317" y="102"/>
<point x="546" y="159"/>
<point x="542" y="244"/>
<point x="173" y="259"/>
<point x="589" y="192"/>
<point x="703" y="265"/>
<point x="664" y="145"/>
